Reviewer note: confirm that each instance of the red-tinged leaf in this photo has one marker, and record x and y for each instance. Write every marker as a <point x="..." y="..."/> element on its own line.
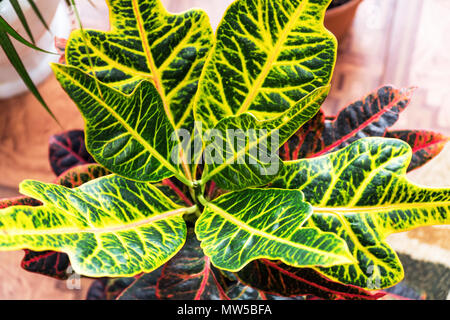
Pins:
<point x="278" y="278"/>
<point x="425" y="145"/>
<point x="190" y="276"/>
<point x="368" y="117"/>
<point x="60" y="45"/>
<point x="19" y="201"/>
<point x="68" y="150"/>
<point x="79" y="175"/>
<point x="49" y="263"/>
<point x="108" y="288"/>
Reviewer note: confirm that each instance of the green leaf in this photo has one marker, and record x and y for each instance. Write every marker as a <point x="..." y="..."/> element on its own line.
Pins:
<point x="361" y="194"/>
<point x="80" y="175"/>
<point x="269" y="54"/>
<point x="244" y="151"/>
<point x="239" y="227"/>
<point x="38" y="13"/>
<point x="108" y="227"/>
<point x="128" y="134"/>
<point x="16" y="6"/>
<point x="16" y="62"/>
<point x="147" y="42"/>
<point x="4" y="26"/>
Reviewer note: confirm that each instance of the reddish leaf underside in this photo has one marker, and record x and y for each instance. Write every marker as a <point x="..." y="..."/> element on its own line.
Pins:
<point x="367" y="117"/>
<point x="68" y="150"/>
<point x="275" y="277"/>
<point x="425" y="145"/>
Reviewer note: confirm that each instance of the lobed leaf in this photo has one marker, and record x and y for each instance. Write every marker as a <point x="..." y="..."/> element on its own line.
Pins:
<point x="268" y="55"/>
<point x="247" y="149"/>
<point x="130" y="135"/>
<point x="243" y="226"/>
<point x="360" y="194"/>
<point x="108" y="227"/>
<point x="147" y="42"/>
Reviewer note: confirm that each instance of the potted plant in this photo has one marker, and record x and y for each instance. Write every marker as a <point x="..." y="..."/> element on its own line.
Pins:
<point x="212" y="173"/>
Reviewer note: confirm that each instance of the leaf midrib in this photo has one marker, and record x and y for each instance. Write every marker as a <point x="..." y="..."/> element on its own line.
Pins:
<point x="270" y="60"/>
<point x="251" y="230"/>
<point x="112" y="229"/>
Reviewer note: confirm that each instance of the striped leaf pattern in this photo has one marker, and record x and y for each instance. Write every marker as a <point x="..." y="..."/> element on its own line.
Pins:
<point x="249" y="147"/>
<point x="242" y="226"/>
<point x="360" y="194"/>
<point x="147" y="42"/>
<point x="130" y="135"/>
<point x="268" y="55"/>
<point x="108" y="227"/>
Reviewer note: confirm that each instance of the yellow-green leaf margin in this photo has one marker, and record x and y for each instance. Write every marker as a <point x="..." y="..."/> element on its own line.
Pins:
<point x="361" y="194"/>
<point x="109" y="227"/>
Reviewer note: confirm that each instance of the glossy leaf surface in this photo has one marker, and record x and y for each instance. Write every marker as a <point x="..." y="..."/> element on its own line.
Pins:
<point x="239" y="227"/>
<point x="268" y="55"/>
<point x="360" y="193"/>
<point x="108" y="227"/>
<point x="147" y="42"/>
<point x="128" y="134"/>
<point x="246" y="149"/>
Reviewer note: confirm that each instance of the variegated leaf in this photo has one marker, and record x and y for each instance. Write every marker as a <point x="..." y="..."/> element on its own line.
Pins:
<point x="130" y="135"/>
<point x="360" y="194"/>
<point x="147" y="42"/>
<point x="244" y="151"/>
<point x="108" y="227"/>
<point x="425" y="145"/>
<point x="369" y="116"/>
<point x="242" y="226"/>
<point x="269" y="54"/>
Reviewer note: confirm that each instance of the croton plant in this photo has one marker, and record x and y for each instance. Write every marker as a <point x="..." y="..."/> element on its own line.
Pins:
<point x="210" y="171"/>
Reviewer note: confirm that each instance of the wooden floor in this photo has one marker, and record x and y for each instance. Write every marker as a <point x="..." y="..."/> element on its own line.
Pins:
<point x="401" y="42"/>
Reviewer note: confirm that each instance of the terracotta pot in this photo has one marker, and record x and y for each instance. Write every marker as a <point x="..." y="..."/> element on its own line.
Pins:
<point x="36" y="63"/>
<point x="339" y="19"/>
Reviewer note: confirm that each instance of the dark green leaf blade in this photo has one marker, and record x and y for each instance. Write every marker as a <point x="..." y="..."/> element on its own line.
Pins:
<point x="128" y="134"/>
<point x="360" y="193"/>
<point x="242" y="226"/>
<point x="18" y="9"/>
<point x="108" y="227"/>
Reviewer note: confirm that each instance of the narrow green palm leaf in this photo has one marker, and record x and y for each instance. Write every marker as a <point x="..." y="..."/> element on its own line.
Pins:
<point x="242" y="226"/>
<point x="16" y="6"/>
<point x="16" y="62"/>
<point x="38" y="13"/>
<point x="361" y="194"/>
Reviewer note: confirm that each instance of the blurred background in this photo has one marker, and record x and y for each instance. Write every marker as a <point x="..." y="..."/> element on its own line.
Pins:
<point x="400" y="42"/>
